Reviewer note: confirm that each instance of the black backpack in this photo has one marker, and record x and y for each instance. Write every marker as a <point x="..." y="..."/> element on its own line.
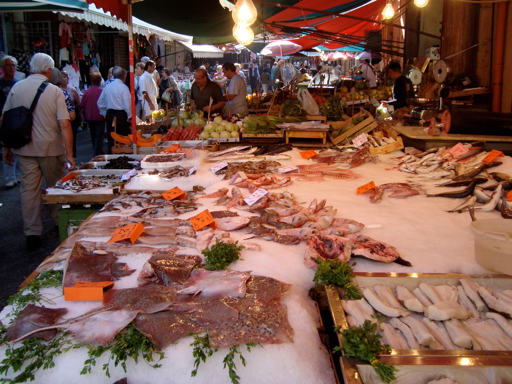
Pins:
<point x="16" y="128"/>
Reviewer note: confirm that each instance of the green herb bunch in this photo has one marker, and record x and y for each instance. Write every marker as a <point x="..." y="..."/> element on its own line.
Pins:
<point x="221" y="254"/>
<point x="363" y="342"/>
<point x="337" y="273"/>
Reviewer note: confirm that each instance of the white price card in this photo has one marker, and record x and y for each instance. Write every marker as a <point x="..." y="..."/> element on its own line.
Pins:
<point x="127" y="175"/>
<point x="238" y="175"/>
<point x="290" y="168"/>
<point x="255" y="196"/>
<point x="219" y="166"/>
<point x="360" y="140"/>
<point x="193" y="170"/>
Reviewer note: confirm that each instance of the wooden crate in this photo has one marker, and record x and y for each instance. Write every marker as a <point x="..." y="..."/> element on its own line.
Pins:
<point x="365" y="126"/>
<point x="302" y="134"/>
<point x="388" y="148"/>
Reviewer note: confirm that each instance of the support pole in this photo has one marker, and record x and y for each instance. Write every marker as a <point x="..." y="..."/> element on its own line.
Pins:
<point x="499" y="53"/>
<point x="132" y="76"/>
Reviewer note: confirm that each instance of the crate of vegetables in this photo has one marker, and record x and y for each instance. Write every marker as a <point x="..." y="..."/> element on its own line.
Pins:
<point x="265" y="126"/>
<point x="227" y="130"/>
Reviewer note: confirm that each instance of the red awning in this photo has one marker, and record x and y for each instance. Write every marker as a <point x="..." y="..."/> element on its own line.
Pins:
<point x="115" y="7"/>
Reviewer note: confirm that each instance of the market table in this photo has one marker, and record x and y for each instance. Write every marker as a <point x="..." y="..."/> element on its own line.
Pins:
<point x="421" y="229"/>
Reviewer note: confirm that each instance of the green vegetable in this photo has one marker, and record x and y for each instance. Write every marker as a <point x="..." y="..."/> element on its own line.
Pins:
<point x="267" y="124"/>
<point x="363" y="342"/>
<point x="221" y="254"/>
<point x="332" y="109"/>
<point x="337" y="273"/>
<point x="293" y="108"/>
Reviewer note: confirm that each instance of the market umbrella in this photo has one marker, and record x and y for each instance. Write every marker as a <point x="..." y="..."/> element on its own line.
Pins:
<point x="281" y="48"/>
<point x="368" y="55"/>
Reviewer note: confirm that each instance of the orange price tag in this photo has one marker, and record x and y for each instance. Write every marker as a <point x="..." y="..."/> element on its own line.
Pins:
<point x="84" y="291"/>
<point x="202" y="220"/>
<point x="174" y="193"/>
<point x="366" y="188"/>
<point x="172" y="148"/>
<point x="68" y="177"/>
<point x="492" y="156"/>
<point x="458" y="150"/>
<point x="308" y="154"/>
<point x="509" y="196"/>
<point x="132" y="232"/>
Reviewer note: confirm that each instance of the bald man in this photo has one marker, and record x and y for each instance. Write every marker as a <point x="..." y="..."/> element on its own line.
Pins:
<point x="202" y="89"/>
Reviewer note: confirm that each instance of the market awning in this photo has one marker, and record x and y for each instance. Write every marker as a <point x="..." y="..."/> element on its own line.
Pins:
<point x="42" y="5"/>
<point x="204" y="51"/>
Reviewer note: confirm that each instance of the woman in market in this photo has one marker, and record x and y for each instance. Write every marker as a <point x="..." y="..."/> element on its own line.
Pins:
<point x="139" y="70"/>
<point x="169" y="84"/>
<point x="75" y="123"/>
<point x="56" y="78"/>
<point x="265" y="80"/>
<point x="236" y="92"/>
<point x="219" y="78"/>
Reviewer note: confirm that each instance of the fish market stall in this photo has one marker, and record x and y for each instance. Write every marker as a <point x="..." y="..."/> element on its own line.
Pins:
<point x="416" y="231"/>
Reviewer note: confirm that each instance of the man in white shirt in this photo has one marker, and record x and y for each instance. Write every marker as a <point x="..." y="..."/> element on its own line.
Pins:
<point x="115" y="102"/>
<point x="148" y="91"/>
<point x="237" y="91"/>
<point x="368" y="74"/>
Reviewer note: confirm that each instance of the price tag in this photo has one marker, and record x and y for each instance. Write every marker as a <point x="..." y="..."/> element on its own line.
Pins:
<point x="255" y="196"/>
<point x="172" y="148"/>
<point x="129" y="174"/>
<point x="68" y="177"/>
<point x="219" y="166"/>
<point x="174" y="193"/>
<point x="132" y="232"/>
<point x="85" y="291"/>
<point x="509" y="196"/>
<point x="458" y="150"/>
<point x="492" y="156"/>
<point x="202" y="220"/>
<point x="238" y="175"/>
<point x="366" y="188"/>
<point x="308" y="154"/>
<point x="288" y="169"/>
<point x="360" y="140"/>
<point x="193" y="170"/>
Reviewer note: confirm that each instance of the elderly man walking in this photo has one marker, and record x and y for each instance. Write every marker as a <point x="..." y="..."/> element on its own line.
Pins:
<point x="50" y="147"/>
<point x="115" y="102"/>
<point x="148" y="91"/>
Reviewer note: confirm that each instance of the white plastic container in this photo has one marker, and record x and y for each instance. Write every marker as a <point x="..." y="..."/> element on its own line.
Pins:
<point x="493" y="244"/>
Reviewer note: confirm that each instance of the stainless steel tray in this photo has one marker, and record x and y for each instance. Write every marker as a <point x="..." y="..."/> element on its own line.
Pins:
<point x="100" y="172"/>
<point x="110" y="157"/>
<point x="101" y="164"/>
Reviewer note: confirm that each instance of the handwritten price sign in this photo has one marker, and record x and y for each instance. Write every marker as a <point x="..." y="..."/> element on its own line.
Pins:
<point x="172" y="148"/>
<point x="193" y="170"/>
<point x="202" y="219"/>
<point x="255" y="196"/>
<point x="458" y="150"/>
<point x="365" y="188"/>
<point x="492" y="156"/>
<point x="218" y="167"/>
<point x="131" y="232"/>
<point x="308" y="154"/>
<point x="174" y="193"/>
<point x="360" y="140"/>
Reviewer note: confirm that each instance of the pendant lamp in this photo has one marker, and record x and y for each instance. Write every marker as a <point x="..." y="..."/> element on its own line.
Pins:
<point x="244" y="13"/>
<point x="420" y="3"/>
<point x="243" y="34"/>
<point x="388" y="12"/>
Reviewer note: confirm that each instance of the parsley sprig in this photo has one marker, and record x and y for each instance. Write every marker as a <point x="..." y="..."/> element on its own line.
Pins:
<point x="337" y="273"/>
<point x="221" y="254"/>
<point x="363" y="342"/>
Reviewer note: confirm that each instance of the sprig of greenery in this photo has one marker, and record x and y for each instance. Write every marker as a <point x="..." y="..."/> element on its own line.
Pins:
<point x="337" y="273"/>
<point x="363" y="342"/>
<point x="31" y="293"/>
<point x="229" y="361"/>
<point x="221" y="254"/>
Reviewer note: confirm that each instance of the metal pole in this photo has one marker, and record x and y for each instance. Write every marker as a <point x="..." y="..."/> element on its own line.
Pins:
<point x="132" y="75"/>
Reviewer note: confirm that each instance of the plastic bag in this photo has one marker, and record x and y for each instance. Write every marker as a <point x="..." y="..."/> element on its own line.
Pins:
<point x="307" y="102"/>
<point x="382" y="113"/>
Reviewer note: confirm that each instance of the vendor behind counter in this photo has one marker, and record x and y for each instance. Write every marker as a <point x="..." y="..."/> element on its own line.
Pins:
<point x="202" y="90"/>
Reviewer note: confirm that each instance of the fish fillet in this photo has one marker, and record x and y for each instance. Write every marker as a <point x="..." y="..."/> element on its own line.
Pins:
<point x="421" y="297"/>
<point x="502" y="322"/>
<point x="410" y="301"/>
<point x="380" y="306"/>
<point x="406" y="331"/>
<point x="494" y="329"/>
<point x="467" y="303"/>
<point x="358" y="314"/>
<point x="387" y="296"/>
<point x="443" y="381"/>
<point x="440" y="334"/>
<point x="391" y="337"/>
<point x="446" y="292"/>
<point x="447" y="310"/>
<point x="485" y="340"/>
<point x="431" y="293"/>
<point x="419" y="330"/>
<point x="471" y="289"/>
<point x="494" y="303"/>
<point x="458" y="334"/>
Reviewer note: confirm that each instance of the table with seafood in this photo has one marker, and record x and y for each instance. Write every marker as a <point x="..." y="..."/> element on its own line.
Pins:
<point x="396" y="215"/>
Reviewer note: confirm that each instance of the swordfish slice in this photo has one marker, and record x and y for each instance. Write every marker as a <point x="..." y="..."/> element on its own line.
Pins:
<point x="386" y="295"/>
<point x="466" y="302"/>
<point x="420" y="331"/>
<point x="410" y="301"/>
<point x="440" y="334"/>
<point x="380" y="306"/>
<point x="358" y="314"/>
<point x="393" y="338"/>
<point x="471" y="289"/>
<point x="498" y="305"/>
<point x="459" y="335"/>
<point x="422" y="297"/>
<point x="406" y="331"/>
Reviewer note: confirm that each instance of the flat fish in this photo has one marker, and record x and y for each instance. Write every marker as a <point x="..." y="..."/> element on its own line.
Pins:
<point x="216" y="283"/>
<point x="149" y="299"/>
<point x="221" y="214"/>
<point x="232" y="223"/>
<point x="32" y="318"/>
<point x="167" y="268"/>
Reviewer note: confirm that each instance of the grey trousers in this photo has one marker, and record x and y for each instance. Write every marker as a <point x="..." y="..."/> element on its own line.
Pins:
<point x="33" y="170"/>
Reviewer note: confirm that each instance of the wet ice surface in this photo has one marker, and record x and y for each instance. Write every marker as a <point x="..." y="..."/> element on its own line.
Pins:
<point x="432" y="239"/>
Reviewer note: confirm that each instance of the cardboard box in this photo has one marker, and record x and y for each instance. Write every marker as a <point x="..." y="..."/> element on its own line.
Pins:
<point x="388" y="148"/>
<point x="365" y="126"/>
<point x="149" y="128"/>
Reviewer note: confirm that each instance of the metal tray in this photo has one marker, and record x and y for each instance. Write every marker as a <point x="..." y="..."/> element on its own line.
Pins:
<point x="110" y="157"/>
<point x="101" y="164"/>
<point x="100" y="172"/>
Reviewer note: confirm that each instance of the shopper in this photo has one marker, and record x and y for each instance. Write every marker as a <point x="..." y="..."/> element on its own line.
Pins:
<point x="56" y="79"/>
<point x="219" y="78"/>
<point x="91" y="113"/>
<point x="7" y="81"/>
<point x="265" y="80"/>
<point x="368" y="74"/>
<point x="139" y="70"/>
<point x="43" y="158"/>
<point x="169" y="84"/>
<point x="254" y="77"/>
<point x="115" y="102"/>
<point x="148" y="91"/>
<point x="236" y="92"/>
<point x="278" y="78"/>
<point x="202" y="90"/>
<point x="402" y="88"/>
<point x="110" y="77"/>
<point x="77" y="121"/>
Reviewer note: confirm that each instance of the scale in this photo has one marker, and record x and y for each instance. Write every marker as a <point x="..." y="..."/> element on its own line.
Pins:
<point x="415" y="76"/>
<point x="442" y="73"/>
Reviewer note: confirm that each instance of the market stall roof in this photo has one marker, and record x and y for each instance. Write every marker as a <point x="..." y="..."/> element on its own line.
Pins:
<point x="42" y="5"/>
<point x="203" y="50"/>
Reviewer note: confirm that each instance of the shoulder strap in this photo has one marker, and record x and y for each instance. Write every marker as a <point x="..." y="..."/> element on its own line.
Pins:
<point x="40" y="90"/>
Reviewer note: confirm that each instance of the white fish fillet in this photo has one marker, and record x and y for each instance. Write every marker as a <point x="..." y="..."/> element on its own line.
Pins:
<point x="467" y="303"/>
<point x="487" y="342"/>
<point x="493" y="327"/>
<point x="502" y="322"/>
<point x="421" y="297"/>
<point x="443" y="381"/>
<point x="393" y="338"/>
<point x="367" y="308"/>
<point x="458" y="334"/>
<point x="494" y="303"/>
<point x="419" y="330"/>
<point x="447" y="310"/>
<point x="380" y="306"/>
<point x="410" y="301"/>
<point x="440" y="334"/>
<point x="352" y="322"/>
<point x="356" y="312"/>
<point x="431" y="293"/>
<point x="447" y="292"/>
<point x="406" y="331"/>
<point x="471" y="289"/>
<point x="387" y="296"/>
<point x="502" y="296"/>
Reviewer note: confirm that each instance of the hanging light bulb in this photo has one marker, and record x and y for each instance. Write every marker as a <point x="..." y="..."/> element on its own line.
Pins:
<point x="243" y="34"/>
<point x="420" y="3"/>
<point x="244" y="13"/>
<point x="388" y="12"/>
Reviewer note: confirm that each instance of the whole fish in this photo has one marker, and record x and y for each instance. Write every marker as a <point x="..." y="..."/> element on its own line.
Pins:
<point x="471" y="153"/>
<point x="471" y="200"/>
<point x="506" y="211"/>
<point x="456" y="194"/>
<point x="476" y="169"/>
<point x="491" y="204"/>
<point x="465" y="182"/>
<point x="297" y="220"/>
<point x="499" y="176"/>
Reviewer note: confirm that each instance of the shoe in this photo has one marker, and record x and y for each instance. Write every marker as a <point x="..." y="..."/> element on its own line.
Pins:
<point x="11" y="183"/>
<point x="33" y="242"/>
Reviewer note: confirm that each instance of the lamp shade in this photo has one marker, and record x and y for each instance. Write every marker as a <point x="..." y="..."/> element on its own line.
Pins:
<point x="420" y="3"/>
<point x="244" y="13"/>
<point x="388" y="12"/>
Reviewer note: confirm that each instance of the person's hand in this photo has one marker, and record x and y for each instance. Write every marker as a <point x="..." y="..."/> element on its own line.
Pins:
<point x="71" y="160"/>
<point x="9" y="156"/>
<point x="207" y="109"/>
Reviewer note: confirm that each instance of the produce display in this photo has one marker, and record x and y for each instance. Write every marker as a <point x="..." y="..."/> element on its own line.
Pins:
<point x="220" y="128"/>
<point x="266" y="123"/>
<point x="333" y="110"/>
